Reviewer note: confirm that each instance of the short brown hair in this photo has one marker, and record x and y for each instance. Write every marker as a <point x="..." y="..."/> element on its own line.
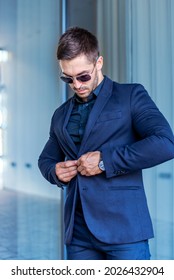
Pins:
<point x="76" y="41"/>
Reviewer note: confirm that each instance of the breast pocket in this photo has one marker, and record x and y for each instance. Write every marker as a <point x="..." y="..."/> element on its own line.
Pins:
<point x="109" y="116"/>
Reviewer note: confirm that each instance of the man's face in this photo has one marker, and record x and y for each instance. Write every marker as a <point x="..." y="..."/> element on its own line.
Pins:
<point x="80" y="66"/>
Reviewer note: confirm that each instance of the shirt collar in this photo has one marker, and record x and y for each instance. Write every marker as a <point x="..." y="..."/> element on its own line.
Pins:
<point x="93" y="94"/>
<point x="98" y="88"/>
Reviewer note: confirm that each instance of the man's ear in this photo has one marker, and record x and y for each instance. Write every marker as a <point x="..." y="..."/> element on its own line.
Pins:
<point x="99" y="63"/>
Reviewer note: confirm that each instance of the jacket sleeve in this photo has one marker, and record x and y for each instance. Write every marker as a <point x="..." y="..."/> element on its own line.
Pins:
<point x="155" y="144"/>
<point x="50" y="155"/>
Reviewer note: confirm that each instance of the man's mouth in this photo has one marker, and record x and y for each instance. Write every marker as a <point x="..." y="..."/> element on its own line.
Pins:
<point x="80" y="90"/>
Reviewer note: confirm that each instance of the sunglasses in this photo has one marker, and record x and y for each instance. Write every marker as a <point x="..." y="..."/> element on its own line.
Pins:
<point x="81" y="78"/>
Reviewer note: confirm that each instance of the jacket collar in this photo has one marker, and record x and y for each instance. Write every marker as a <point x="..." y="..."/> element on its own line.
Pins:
<point x="99" y="104"/>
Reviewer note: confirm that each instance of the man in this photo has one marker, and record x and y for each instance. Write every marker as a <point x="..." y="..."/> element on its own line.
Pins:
<point x="100" y="140"/>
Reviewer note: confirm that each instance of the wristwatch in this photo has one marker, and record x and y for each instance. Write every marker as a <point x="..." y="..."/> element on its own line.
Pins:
<point x="101" y="163"/>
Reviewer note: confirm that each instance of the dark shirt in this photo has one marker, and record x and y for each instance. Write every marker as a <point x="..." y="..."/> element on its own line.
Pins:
<point x="79" y="116"/>
<point x="77" y="123"/>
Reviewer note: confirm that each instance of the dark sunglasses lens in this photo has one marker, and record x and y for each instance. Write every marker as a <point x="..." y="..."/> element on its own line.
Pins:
<point x="84" y="78"/>
<point x="67" y="80"/>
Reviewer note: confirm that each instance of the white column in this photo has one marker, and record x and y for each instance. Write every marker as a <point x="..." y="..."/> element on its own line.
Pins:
<point x="151" y="42"/>
<point x="111" y="35"/>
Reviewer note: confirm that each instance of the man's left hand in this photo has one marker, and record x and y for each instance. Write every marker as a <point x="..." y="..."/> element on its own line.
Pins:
<point x="88" y="164"/>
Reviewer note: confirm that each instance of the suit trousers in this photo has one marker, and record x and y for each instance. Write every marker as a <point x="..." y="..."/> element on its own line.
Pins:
<point x="84" y="245"/>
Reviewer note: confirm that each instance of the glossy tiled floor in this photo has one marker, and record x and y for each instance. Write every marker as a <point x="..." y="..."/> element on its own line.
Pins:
<point x="29" y="227"/>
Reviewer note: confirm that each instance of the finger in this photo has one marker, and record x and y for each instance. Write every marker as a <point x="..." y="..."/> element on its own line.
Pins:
<point x="66" y="171"/>
<point x="69" y="169"/>
<point x="66" y="177"/>
<point x="82" y="159"/>
<point x="67" y="163"/>
<point x="90" y="172"/>
<point x="80" y="168"/>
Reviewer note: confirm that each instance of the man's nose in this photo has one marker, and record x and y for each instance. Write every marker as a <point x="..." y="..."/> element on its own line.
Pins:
<point x="77" y="84"/>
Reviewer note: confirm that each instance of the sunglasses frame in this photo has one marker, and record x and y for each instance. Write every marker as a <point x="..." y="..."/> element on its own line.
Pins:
<point x="80" y="78"/>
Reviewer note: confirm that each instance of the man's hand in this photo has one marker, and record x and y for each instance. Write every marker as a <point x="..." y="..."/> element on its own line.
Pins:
<point x="65" y="171"/>
<point x="88" y="164"/>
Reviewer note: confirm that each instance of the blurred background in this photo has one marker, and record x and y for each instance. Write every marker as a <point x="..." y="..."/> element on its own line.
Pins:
<point x="137" y="42"/>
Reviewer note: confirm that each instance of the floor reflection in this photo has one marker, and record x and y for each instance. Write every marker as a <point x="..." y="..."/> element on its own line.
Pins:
<point x="29" y="227"/>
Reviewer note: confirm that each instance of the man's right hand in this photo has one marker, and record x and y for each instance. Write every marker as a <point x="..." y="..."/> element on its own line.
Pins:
<point x="66" y="170"/>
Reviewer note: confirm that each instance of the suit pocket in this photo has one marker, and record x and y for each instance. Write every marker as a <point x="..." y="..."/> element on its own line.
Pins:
<point x="109" y="116"/>
<point x="127" y="188"/>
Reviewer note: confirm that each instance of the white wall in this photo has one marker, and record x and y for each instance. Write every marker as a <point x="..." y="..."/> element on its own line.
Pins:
<point x="30" y="30"/>
<point x="151" y="63"/>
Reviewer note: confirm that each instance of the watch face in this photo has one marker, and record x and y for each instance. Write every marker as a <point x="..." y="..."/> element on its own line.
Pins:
<point x="101" y="165"/>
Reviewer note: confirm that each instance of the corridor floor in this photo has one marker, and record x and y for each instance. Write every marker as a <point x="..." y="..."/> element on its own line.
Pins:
<point x="29" y="227"/>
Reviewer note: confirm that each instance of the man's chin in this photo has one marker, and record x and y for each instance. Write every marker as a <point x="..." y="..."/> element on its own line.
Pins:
<point x="83" y="93"/>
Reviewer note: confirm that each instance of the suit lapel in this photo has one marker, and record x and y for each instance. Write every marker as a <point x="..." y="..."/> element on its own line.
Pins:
<point x="100" y="102"/>
<point x="66" y="134"/>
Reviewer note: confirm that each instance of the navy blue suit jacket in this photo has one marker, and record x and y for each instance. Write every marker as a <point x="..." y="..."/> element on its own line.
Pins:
<point x="132" y="134"/>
